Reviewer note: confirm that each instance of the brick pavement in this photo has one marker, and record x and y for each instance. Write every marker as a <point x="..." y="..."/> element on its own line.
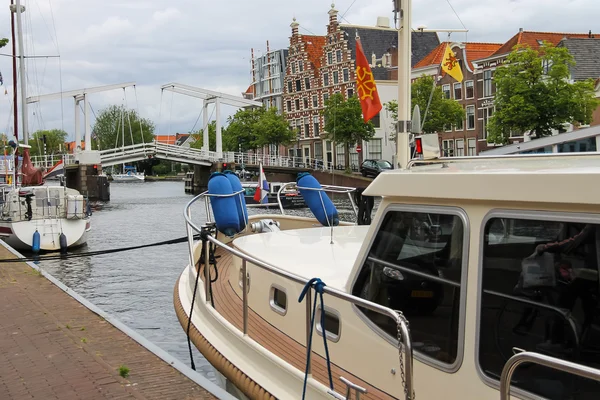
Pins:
<point x="53" y="347"/>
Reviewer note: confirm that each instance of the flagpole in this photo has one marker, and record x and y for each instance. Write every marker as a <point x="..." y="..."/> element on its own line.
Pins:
<point x="403" y="9"/>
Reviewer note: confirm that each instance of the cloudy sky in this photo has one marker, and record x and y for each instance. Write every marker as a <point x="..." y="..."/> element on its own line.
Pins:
<point x="207" y="44"/>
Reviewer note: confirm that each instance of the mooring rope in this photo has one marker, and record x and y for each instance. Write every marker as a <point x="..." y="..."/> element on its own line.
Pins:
<point x="98" y="252"/>
<point x="318" y="285"/>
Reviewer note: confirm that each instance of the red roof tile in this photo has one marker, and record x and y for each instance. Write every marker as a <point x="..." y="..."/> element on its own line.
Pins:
<point x="474" y="51"/>
<point x="533" y="39"/>
<point x="165" y="139"/>
<point x="314" y="48"/>
<point x="250" y="89"/>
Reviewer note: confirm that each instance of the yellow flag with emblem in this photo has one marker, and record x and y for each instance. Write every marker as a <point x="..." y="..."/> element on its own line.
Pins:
<point x="450" y="64"/>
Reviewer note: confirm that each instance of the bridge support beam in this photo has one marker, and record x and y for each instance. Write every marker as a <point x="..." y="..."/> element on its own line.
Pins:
<point x="205" y="143"/>
<point x="218" y="128"/>
<point x="200" y="179"/>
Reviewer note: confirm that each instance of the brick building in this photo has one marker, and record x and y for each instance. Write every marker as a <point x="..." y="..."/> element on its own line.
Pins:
<point x="484" y="74"/>
<point x="459" y="140"/>
<point x="319" y="66"/>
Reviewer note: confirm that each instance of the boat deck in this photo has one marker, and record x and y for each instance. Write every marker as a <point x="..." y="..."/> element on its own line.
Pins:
<point x="53" y="347"/>
<point x="229" y="305"/>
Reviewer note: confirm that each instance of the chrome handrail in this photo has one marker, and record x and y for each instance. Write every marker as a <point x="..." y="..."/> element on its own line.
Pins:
<point x="546" y="361"/>
<point x="406" y="344"/>
<point x="323" y="188"/>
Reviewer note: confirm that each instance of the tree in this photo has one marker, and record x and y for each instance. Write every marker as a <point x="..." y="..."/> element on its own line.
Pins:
<point x="251" y="128"/>
<point x="344" y="123"/>
<point x="533" y="94"/>
<point x="441" y="111"/>
<point x="241" y="130"/>
<point x="3" y="42"/>
<point x="55" y="142"/>
<point x="273" y="128"/>
<point x="115" y="125"/>
<point x="212" y="137"/>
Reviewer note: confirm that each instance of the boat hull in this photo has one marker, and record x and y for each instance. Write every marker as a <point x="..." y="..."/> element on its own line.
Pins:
<point x="128" y="178"/>
<point x="19" y="235"/>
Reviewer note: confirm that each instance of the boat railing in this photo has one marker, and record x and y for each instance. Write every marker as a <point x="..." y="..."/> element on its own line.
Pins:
<point x="543" y="360"/>
<point x="404" y="341"/>
<point x="323" y="188"/>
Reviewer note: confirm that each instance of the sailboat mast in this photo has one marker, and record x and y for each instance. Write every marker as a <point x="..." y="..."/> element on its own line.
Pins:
<point x="19" y="10"/>
<point x="14" y="75"/>
<point x="403" y="10"/>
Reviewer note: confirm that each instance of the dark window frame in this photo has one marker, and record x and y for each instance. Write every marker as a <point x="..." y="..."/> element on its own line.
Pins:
<point x="449" y="211"/>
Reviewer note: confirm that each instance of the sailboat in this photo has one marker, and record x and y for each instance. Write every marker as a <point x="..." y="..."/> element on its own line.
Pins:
<point x="471" y="267"/>
<point x="34" y="216"/>
<point x="128" y="173"/>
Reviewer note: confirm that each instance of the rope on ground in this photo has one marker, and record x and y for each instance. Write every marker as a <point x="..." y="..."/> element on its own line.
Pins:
<point x="98" y="252"/>
<point x="318" y="285"/>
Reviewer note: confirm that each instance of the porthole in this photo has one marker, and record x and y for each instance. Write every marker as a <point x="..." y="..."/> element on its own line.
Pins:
<point x="333" y="325"/>
<point x="278" y="300"/>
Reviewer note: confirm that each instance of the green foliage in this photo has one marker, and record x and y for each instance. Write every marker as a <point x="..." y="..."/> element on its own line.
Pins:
<point x="114" y="122"/>
<point x="344" y="123"/>
<point x="533" y="93"/>
<point x="123" y="371"/>
<point x="212" y="137"/>
<point x="441" y="112"/>
<point x="55" y="142"/>
<point x="251" y="128"/>
<point x="3" y="42"/>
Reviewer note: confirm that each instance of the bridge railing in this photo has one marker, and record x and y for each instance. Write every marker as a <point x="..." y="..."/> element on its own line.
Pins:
<point x="280" y="161"/>
<point x="48" y="161"/>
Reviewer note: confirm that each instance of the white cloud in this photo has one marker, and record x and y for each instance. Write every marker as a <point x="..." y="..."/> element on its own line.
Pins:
<point x="207" y="44"/>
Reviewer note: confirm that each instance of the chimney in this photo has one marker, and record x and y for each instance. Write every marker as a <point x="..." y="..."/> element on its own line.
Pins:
<point x="383" y="22"/>
<point x="590" y="34"/>
<point x="294" y="25"/>
<point x="520" y="30"/>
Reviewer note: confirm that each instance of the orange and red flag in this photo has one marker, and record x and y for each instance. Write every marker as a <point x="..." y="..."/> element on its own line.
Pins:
<point x="365" y="85"/>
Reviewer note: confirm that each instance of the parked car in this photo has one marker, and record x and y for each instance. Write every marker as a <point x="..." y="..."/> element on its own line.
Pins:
<point x="374" y="167"/>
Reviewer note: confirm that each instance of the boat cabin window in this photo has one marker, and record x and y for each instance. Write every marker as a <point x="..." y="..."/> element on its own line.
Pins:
<point x="249" y="190"/>
<point x="540" y="293"/>
<point x="332" y="324"/>
<point x="278" y="300"/>
<point x="416" y="266"/>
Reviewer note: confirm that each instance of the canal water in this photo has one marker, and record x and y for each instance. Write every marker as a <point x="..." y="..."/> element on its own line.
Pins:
<point x="137" y="286"/>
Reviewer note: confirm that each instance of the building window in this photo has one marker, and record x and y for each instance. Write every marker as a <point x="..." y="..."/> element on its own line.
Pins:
<point x="375" y="149"/>
<point x="336" y="76"/>
<point x="290" y="87"/>
<point x="297" y="102"/>
<point x="470" y="117"/>
<point x="340" y="152"/>
<point x="315" y="101"/>
<point x="306" y="127"/>
<point x="299" y="127"/>
<point x="305" y="103"/>
<point x="487" y="114"/>
<point x="307" y="83"/>
<point x="338" y="55"/>
<point x="350" y="93"/>
<point x="300" y="66"/>
<point x="376" y="121"/>
<point x="346" y="75"/>
<point x="325" y="98"/>
<point x="329" y="58"/>
<point x="487" y="83"/>
<point x="538" y="291"/>
<point x="457" y="91"/>
<point x="293" y="65"/>
<point x="469" y="90"/>
<point x="404" y="272"/>
<point x="289" y="105"/>
<point x="448" y="128"/>
<point x="472" y="149"/>
<point x="460" y="126"/>
<point x="316" y="127"/>
<point x="448" y="147"/>
<point x="460" y="147"/>
<point x="318" y="149"/>
<point x="446" y="91"/>
<point x="325" y="79"/>
<point x="298" y="85"/>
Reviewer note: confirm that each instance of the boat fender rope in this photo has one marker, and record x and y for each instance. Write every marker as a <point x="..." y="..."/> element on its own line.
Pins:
<point x="318" y="285"/>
